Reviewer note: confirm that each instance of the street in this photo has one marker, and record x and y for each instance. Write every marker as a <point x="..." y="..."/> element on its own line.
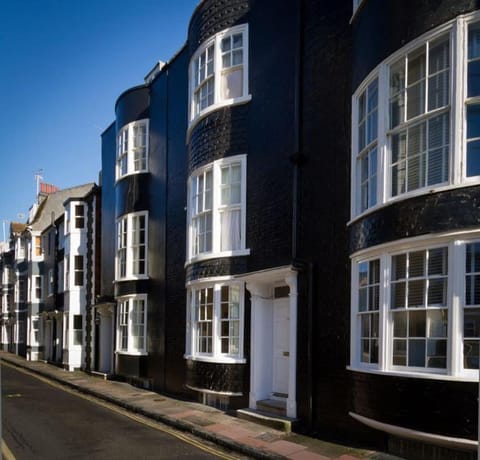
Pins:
<point x="44" y="421"/>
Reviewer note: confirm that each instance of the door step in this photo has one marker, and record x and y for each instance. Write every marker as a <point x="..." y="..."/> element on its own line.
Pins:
<point x="273" y="406"/>
<point x="276" y="422"/>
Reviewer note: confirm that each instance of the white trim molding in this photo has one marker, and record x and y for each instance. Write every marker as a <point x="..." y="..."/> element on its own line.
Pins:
<point x="431" y="438"/>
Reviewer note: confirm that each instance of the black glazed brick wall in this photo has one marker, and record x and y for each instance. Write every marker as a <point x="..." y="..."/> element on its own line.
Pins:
<point x="380" y="27"/>
<point x="132" y="194"/>
<point x="213" y="16"/>
<point x="131" y="287"/>
<point x="216" y="267"/>
<point x="439" y="212"/>
<point x="216" y="377"/>
<point x="220" y="134"/>
<point x="132" y="105"/>
<point x="434" y="406"/>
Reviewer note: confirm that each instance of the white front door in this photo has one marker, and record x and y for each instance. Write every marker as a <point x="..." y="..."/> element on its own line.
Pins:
<point x="281" y="346"/>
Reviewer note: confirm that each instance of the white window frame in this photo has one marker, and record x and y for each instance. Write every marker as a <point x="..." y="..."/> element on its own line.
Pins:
<point x="50" y="282"/>
<point x="192" y="337"/>
<point x="128" y="302"/>
<point x="218" y="71"/>
<point x="457" y="32"/>
<point x="129" y="246"/>
<point x="126" y="149"/>
<point x="77" y="333"/>
<point x="455" y="307"/>
<point x="38" y="288"/>
<point x="79" y="270"/>
<point x="79" y="217"/>
<point x="217" y="209"/>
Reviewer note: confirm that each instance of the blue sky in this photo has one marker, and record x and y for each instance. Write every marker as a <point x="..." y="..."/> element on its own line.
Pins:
<point x="64" y="63"/>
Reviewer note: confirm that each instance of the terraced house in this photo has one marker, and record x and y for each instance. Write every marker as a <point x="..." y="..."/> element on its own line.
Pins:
<point x="287" y="231"/>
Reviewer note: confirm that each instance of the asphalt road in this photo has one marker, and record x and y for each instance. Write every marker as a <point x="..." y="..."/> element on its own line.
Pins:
<point x="41" y="421"/>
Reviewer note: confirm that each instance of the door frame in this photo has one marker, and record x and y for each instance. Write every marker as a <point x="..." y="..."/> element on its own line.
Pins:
<point x="261" y="286"/>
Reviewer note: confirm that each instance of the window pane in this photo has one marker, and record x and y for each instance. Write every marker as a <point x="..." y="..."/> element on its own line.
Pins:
<point x="237" y="57"/>
<point x="439" y="131"/>
<point x="399" y="266"/>
<point x="437" y="292"/>
<point x="416" y="263"/>
<point x="416" y="100"/>
<point x="472" y="258"/>
<point x="473" y="41"/>
<point x="399" y="147"/>
<point x="437" y="354"/>
<point x="400" y="324"/>
<point x="237" y="40"/>
<point x="473" y="121"/>
<point x="473" y="82"/>
<point x="416" y="65"/>
<point x="437" y="167"/>
<point x="365" y="332"/>
<point x="398" y="295"/>
<point x="438" y="90"/>
<point x="230" y="230"/>
<point x="416" y="140"/>
<point x="416" y="353"/>
<point x="439" y="56"/>
<point x="232" y="84"/>
<point x="471" y="322"/>
<point x="417" y="323"/>
<point x="372" y="101"/>
<point x="365" y="355"/>
<point x="226" y="44"/>
<point x="437" y="323"/>
<point x="473" y="158"/>
<point x="470" y="354"/>
<point x="437" y="261"/>
<point x="399" y="352"/>
<point x="416" y="293"/>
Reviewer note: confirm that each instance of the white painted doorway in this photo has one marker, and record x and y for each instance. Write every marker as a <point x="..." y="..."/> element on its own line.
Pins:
<point x="281" y="346"/>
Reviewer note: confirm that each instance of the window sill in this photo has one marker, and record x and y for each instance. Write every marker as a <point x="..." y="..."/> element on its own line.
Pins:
<point x="216" y="359"/>
<point x="212" y="108"/>
<point x="217" y="255"/>
<point x="417" y="375"/>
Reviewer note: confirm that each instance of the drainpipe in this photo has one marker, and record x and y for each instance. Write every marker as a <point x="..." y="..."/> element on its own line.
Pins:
<point x="298" y="159"/>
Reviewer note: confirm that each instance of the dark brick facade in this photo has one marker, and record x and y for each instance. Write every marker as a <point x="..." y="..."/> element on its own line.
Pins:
<point x="213" y="16"/>
<point x="223" y="378"/>
<point x="433" y="213"/>
<point x="220" y="134"/>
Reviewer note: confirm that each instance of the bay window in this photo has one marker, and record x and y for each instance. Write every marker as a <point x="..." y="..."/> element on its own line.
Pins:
<point x="219" y="71"/>
<point x="131" y="324"/>
<point x="215" y="317"/>
<point x="416" y="311"/>
<point x="132" y="148"/>
<point x="217" y="209"/>
<point x="416" y="118"/>
<point x="132" y="239"/>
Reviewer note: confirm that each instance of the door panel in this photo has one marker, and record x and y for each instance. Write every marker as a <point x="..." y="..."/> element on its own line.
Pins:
<point x="281" y="345"/>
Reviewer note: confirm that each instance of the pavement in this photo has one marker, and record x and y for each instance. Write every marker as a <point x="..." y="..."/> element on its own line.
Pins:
<point x="242" y="436"/>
